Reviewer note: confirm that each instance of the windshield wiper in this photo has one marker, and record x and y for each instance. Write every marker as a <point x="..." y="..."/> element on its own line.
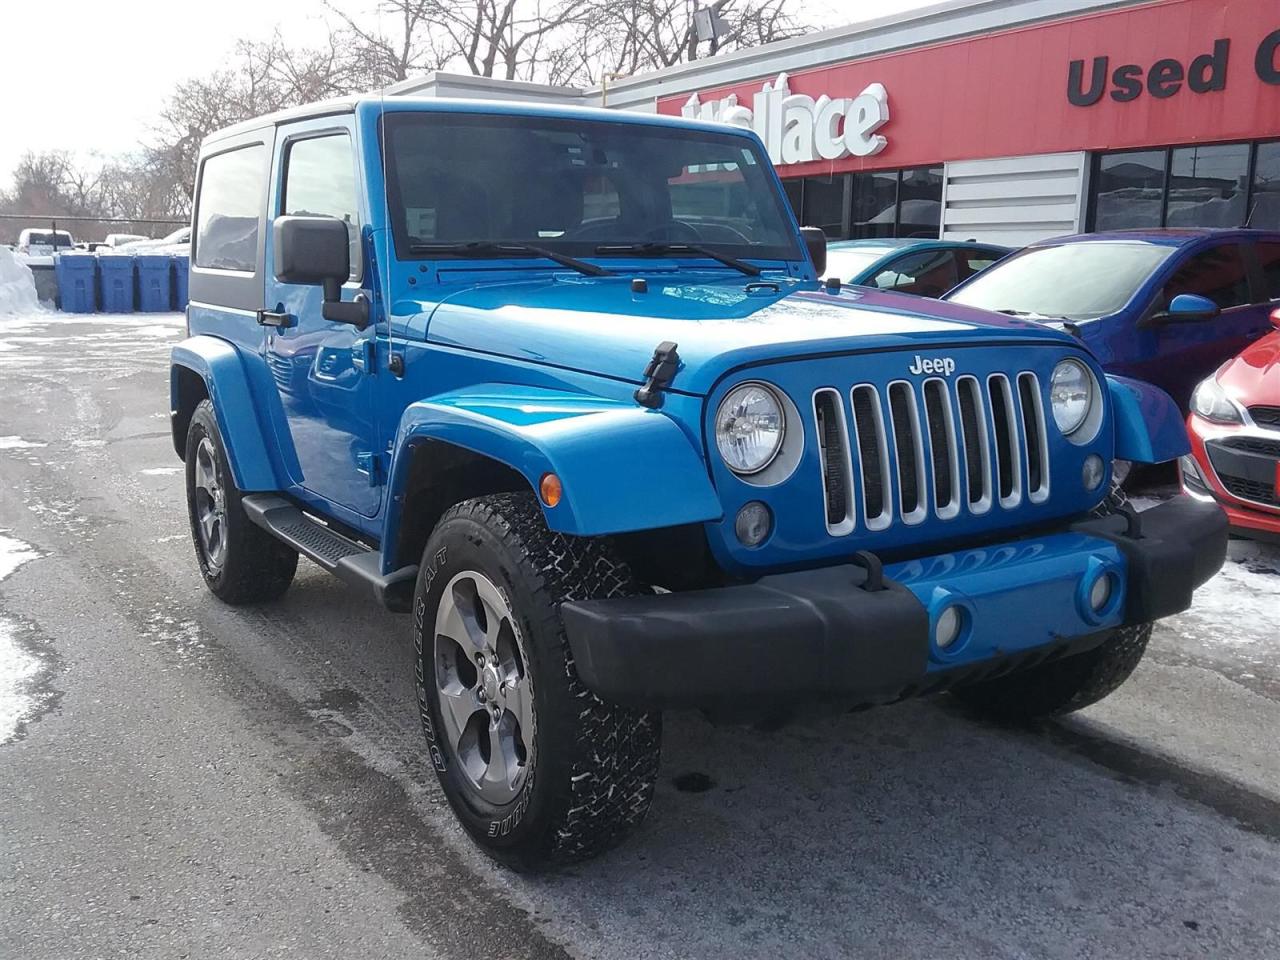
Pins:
<point x="656" y="249"/>
<point x="497" y="248"/>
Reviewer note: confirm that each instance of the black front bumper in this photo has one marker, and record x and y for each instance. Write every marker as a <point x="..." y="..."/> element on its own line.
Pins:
<point x="820" y="634"/>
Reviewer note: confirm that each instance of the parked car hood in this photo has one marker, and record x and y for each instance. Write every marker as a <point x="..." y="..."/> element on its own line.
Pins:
<point x="1253" y="377"/>
<point x="601" y="326"/>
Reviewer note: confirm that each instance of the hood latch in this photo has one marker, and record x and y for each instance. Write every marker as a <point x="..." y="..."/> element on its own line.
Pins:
<point x="658" y="375"/>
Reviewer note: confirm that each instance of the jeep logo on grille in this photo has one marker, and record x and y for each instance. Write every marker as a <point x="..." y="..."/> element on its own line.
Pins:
<point x="943" y="365"/>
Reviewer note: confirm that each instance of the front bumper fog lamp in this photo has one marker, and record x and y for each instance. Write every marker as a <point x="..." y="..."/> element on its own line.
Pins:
<point x="947" y="630"/>
<point x="1100" y="592"/>
<point x="753" y="524"/>
<point x="1092" y="472"/>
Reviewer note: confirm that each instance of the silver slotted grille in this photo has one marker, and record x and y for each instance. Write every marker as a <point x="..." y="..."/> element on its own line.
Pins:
<point x="910" y="451"/>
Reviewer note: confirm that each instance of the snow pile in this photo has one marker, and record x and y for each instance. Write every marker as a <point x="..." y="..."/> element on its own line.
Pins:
<point x="19" y="668"/>
<point x="17" y="285"/>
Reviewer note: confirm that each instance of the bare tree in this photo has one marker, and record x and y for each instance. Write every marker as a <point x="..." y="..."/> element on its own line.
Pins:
<point x="634" y="36"/>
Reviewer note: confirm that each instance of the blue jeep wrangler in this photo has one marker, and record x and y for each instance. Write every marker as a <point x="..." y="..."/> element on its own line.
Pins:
<point x="564" y="386"/>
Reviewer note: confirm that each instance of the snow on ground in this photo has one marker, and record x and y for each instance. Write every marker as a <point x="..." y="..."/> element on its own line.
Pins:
<point x="1238" y="606"/>
<point x="17" y="443"/>
<point x="13" y="554"/>
<point x="19" y="669"/>
<point x="17" y="285"/>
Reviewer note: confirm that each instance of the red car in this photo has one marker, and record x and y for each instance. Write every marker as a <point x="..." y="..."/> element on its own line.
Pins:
<point x="1235" y="439"/>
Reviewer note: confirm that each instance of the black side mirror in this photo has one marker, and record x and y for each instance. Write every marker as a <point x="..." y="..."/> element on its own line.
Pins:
<point x="317" y="250"/>
<point x="816" y="242"/>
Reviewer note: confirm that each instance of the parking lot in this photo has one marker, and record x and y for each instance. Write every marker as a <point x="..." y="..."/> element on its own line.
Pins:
<point x="179" y="778"/>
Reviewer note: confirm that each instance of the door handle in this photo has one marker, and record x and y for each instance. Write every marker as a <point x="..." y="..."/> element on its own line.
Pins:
<point x="270" y="318"/>
<point x="364" y="356"/>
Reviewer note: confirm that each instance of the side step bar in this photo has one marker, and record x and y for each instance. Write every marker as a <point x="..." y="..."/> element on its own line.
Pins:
<point x="350" y="561"/>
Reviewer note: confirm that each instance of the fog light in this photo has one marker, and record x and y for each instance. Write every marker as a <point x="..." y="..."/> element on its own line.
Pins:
<point x="753" y="523"/>
<point x="1100" y="593"/>
<point x="1092" y="472"/>
<point x="948" y="629"/>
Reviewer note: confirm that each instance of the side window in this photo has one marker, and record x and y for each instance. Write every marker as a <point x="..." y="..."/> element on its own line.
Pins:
<point x="974" y="261"/>
<point x="320" y="181"/>
<point x="1217" y="273"/>
<point x="928" y="274"/>
<point x="229" y="206"/>
<point x="1269" y="261"/>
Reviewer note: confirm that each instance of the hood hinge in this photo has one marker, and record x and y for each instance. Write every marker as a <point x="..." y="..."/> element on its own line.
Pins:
<point x="658" y="375"/>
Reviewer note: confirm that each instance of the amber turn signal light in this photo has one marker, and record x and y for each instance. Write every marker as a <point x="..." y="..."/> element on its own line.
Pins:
<point x="550" y="489"/>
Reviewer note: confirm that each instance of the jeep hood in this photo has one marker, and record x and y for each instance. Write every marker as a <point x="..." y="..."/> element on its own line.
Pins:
<point x="601" y="326"/>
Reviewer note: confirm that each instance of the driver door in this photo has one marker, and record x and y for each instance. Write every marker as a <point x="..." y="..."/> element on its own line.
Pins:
<point x="323" y="371"/>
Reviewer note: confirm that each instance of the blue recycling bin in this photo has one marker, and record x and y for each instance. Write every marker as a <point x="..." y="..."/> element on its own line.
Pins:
<point x="77" y="275"/>
<point x="181" y="275"/>
<point x="155" y="271"/>
<point x="116" y="284"/>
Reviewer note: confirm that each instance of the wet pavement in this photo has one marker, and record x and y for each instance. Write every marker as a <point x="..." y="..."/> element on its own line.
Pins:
<point x="179" y="778"/>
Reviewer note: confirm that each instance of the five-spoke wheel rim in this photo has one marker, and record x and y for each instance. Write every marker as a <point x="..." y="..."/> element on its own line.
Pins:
<point x="483" y="688"/>
<point x="210" y="505"/>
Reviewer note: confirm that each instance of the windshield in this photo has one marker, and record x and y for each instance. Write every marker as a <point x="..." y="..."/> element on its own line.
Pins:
<point x="573" y="186"/>
<point x="848" y="263"/>
<point x="1074" y="281"/>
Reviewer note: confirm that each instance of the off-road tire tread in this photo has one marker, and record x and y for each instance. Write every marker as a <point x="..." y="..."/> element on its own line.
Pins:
<point x="257" y="567"/>
<point x="1063" y="686"/>
<point x="617" y="750"/>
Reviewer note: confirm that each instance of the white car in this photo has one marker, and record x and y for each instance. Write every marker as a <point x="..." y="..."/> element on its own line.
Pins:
<point x="43" y="243"/>
<point x="116" y="240"/>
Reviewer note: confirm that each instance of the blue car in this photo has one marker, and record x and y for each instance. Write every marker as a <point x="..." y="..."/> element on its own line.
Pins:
<point x="926" y="268"/>
<point x="1164" y="306"/>
<point x="564" y="386"/>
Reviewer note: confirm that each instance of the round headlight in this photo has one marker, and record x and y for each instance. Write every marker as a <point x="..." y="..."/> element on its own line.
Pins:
<point x="749" y="428"/>
<point x="1070" y="395"/>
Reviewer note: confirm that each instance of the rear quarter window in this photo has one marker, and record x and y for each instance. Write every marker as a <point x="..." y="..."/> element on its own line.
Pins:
<point x="229" y="205"/>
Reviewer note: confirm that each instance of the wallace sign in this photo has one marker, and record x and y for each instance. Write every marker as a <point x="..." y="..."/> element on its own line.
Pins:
<point x="797" y="128"/>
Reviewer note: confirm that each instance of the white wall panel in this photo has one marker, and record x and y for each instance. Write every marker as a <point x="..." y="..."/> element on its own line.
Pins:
<point x="1014" y="200"/>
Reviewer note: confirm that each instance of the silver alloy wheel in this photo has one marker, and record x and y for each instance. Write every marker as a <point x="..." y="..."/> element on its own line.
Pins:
<point x="211" y="505"/>
<point x="483" y="687"/>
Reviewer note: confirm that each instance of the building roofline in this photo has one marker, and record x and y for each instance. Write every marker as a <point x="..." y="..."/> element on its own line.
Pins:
<point x="937" y="23"/>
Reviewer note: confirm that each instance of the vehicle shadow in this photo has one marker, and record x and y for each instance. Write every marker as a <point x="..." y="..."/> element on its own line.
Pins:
<point x="904" y="831"/>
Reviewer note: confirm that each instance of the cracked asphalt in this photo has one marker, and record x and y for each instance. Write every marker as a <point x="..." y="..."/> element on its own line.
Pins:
<point x="191" y="780"/>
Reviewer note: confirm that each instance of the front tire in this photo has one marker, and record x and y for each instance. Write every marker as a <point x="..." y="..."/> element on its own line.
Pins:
<point x="538" y="769"/>
<point x="240" y="562"/>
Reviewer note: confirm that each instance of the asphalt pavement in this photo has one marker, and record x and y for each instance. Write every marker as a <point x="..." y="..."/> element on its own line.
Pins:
<point x="183" y="779"/>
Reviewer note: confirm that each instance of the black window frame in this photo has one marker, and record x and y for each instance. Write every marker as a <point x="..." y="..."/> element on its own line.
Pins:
<point x="1251" y="168"/>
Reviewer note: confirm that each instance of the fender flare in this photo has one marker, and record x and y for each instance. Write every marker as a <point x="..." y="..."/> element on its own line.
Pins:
<point x="622" y="467"/>
<point x="1149" y="427"/>
<point x="219" y="365"/>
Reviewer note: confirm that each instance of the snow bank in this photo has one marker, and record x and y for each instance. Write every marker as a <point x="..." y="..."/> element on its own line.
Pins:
<point x="17" y="285"/>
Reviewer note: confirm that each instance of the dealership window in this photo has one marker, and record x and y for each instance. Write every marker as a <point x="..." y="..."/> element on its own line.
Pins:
<point x="822" y="204"/>
<point x="1213" y="185"/>
<point x="884" y="203"/>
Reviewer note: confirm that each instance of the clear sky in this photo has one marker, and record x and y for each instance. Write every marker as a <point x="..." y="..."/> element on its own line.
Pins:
<point x="90" y="75"/>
